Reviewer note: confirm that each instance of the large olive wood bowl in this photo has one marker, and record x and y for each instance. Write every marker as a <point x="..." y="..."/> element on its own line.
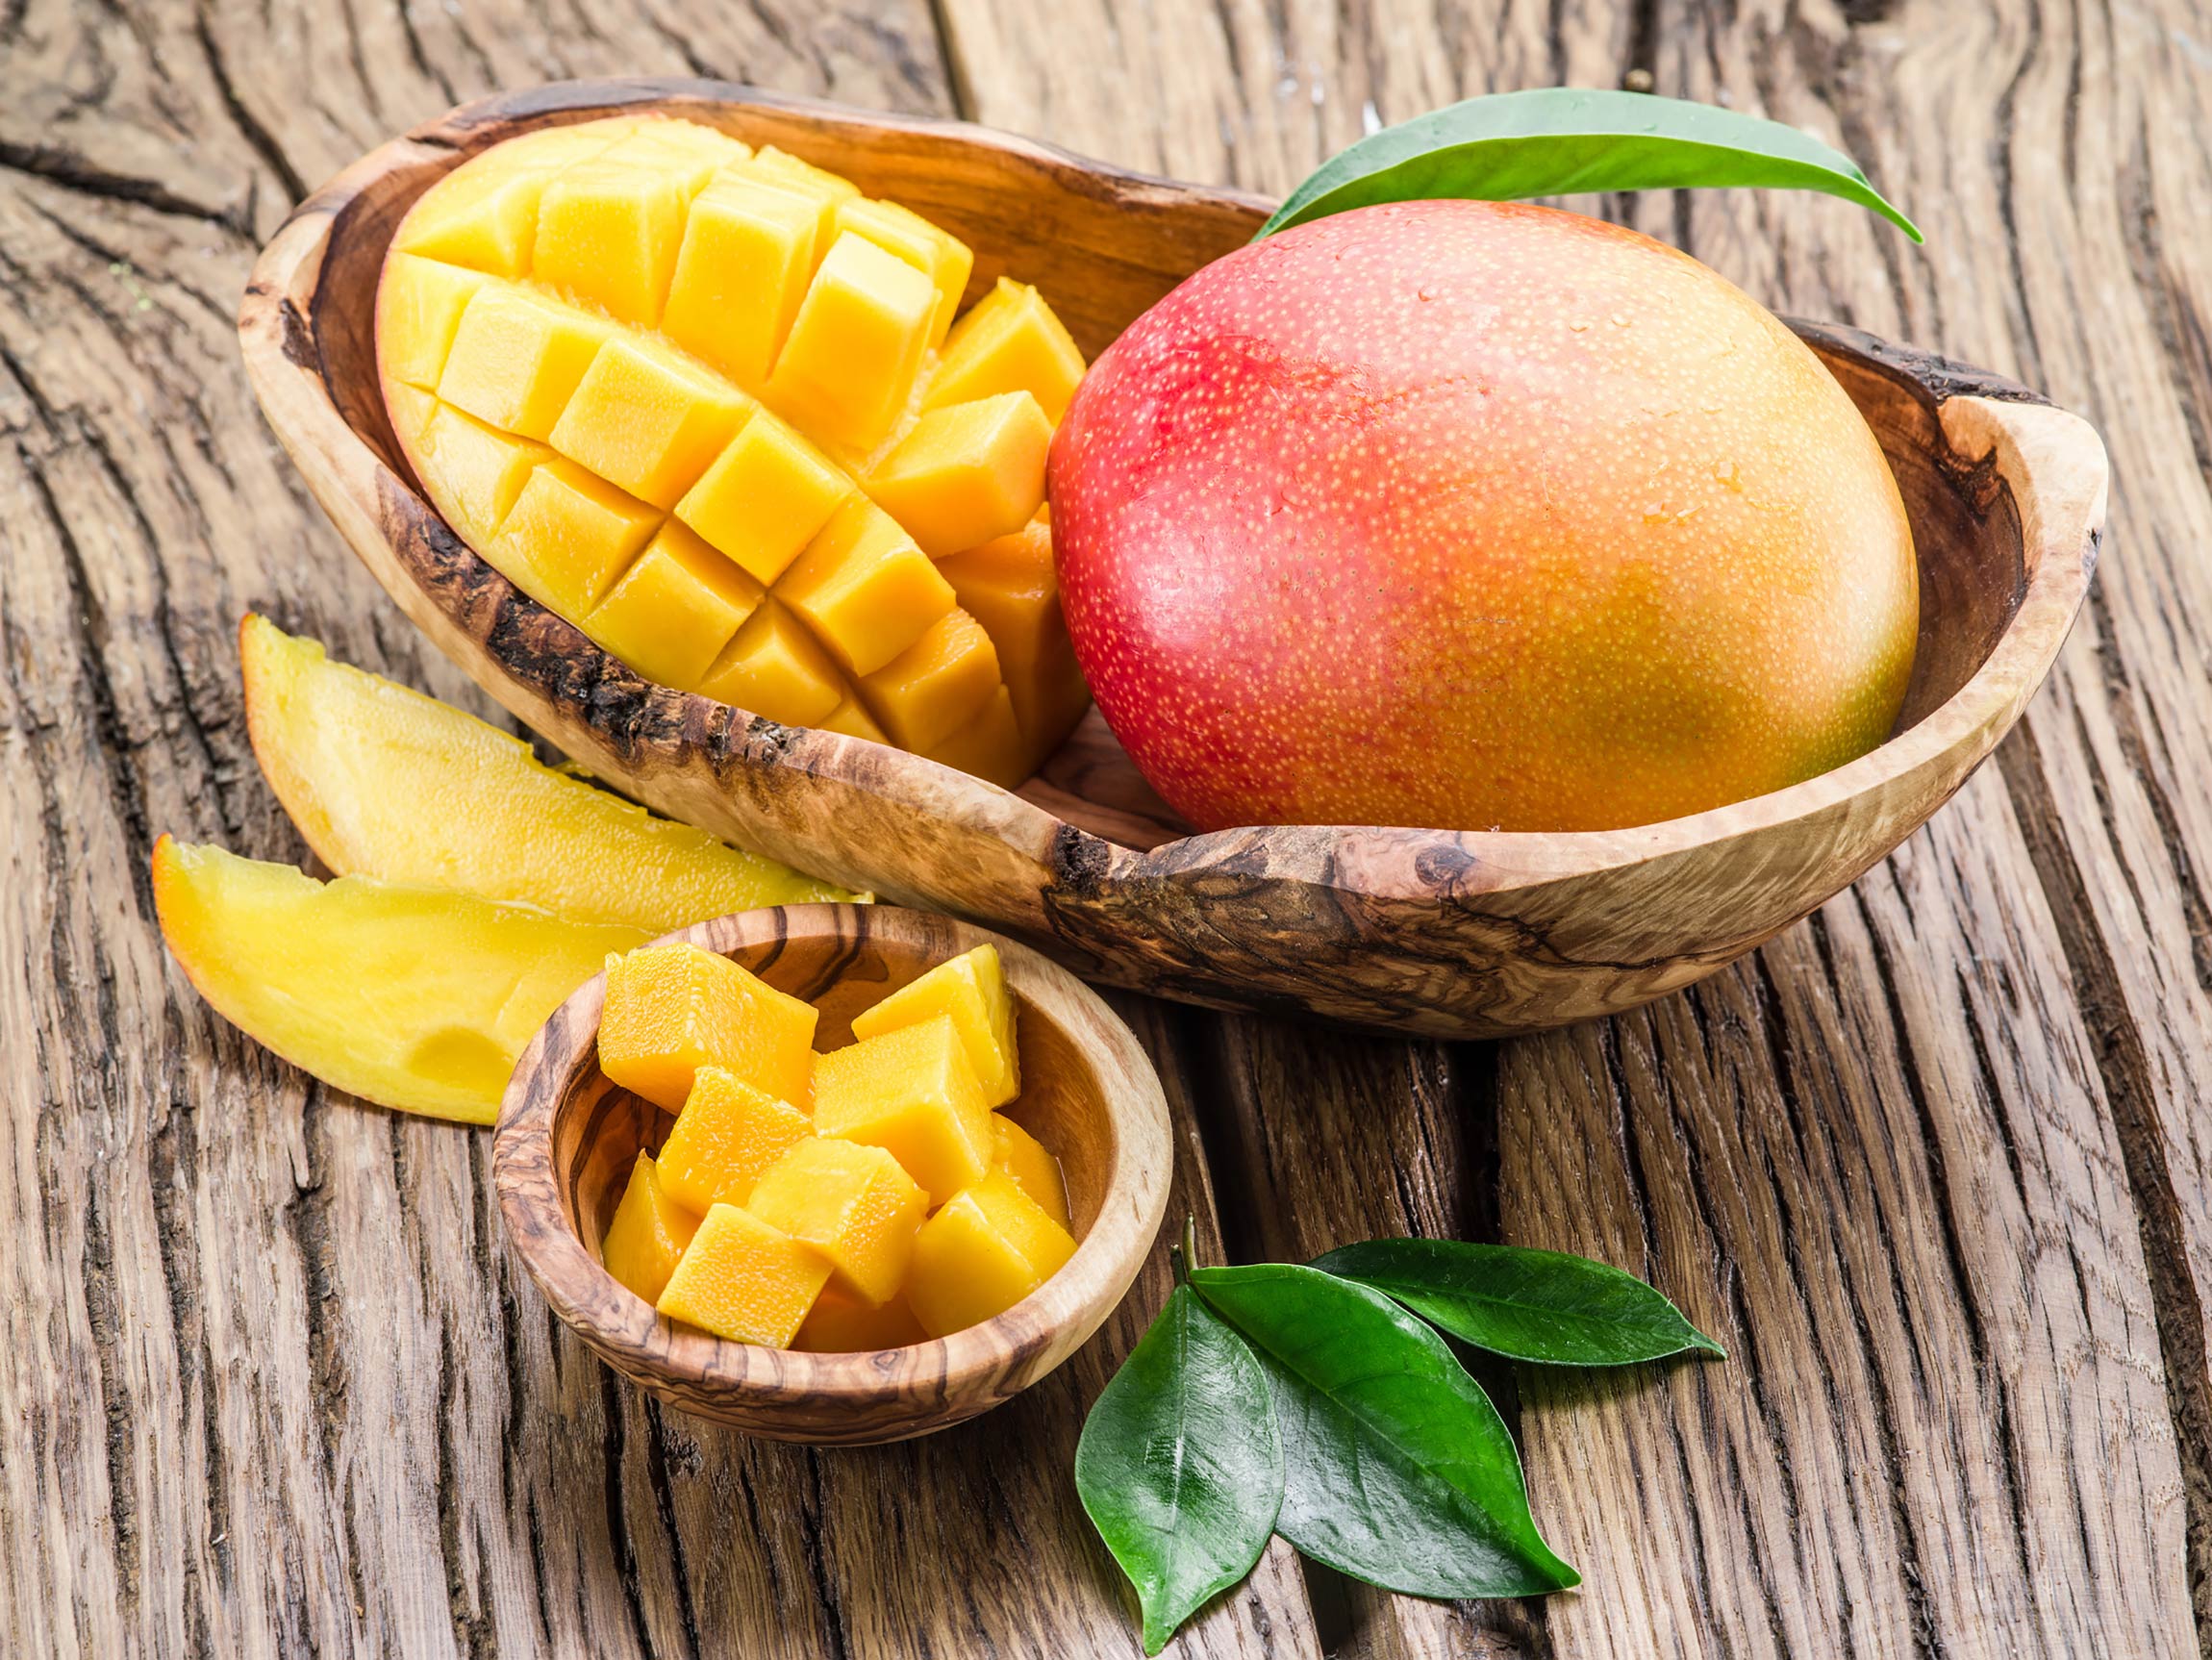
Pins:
<point x="1455" y="934"/>
<point x="567" y="1140"/>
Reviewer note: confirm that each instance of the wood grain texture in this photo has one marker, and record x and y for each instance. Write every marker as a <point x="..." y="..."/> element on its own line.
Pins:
<point x="1452" y="934"/>
<point x="1933" y="1164"/>
<point x="274" y="1385"/>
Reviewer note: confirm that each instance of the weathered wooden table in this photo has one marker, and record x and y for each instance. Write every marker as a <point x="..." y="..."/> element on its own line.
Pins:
<point x="1936" y="1164"/>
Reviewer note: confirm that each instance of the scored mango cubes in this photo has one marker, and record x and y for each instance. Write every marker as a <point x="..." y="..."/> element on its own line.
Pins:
<point x="672" y="1008"/>
<point x="854" y="1204"/>
<point x="988" y="1247"/>
<point x="744" y="1279"/>
<point x="633" y="362"/>
<point x="970" y="991"/>
<point x="911" y="1092"/>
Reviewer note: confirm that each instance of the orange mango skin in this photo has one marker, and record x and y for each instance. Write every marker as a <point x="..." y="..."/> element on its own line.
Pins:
<point x="1476" y="515"/>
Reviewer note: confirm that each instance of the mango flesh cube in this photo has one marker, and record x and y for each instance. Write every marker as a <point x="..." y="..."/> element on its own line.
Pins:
<point x="774" y="667"/>
<point x="936" y="685"/>
<point x="647" y="1235"/>
<point x="689" y="152"/>
<point x="647" y="422"/>
<point x="1009" y="342"/>
<point x="944" y="259"/>
<point x="854" y="1204"/>
<point x="608" y="232"/>
<point x="418" y="306"/>
<point x="789" y="170"/>
<point x="516" y="358"/>
<point x="864" y="589"/>
<point x="748" y="250"/>
<point x="743" y="1279"/>
<point x="672" y="1008"/>
<point x="990" y="1246"/>
<point x="970" y="991"/>
<point x="966" y="472"/>
<point x="675" y="609"/>
<point x="568" y="536"/>
<point x="1008" y="584"/>
<point x="474" y="472"/>
<point x="1030" y="1166"/>
<point x="852" y="721"/>
<point x="764" y="497"/>
<point x="911" y="1092"/>
<point x="850" y="364"/>
<point x="486" y="222"/>
<point x="727" y="1134"/>
<point x="842" y="1324"/>
<point x="990" y="746"/>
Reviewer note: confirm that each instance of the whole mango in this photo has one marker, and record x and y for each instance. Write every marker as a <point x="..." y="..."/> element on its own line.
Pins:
<point x="1476" y="515"/>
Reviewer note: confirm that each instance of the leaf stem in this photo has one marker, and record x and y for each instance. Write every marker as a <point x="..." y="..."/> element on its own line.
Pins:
<point x="1183" y="1256"/>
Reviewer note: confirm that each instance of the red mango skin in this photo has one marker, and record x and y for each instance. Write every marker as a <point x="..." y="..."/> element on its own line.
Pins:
<point x="1476" y="515"/>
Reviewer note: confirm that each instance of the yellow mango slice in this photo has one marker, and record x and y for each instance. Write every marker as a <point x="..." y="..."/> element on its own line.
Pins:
<point x="970" y="991"/>
<point x="405" y="997"/>
<point x="1009" y="342"/>
<point x="1008" y="585"/>
<point x="418" y="306"/>
<point x="748" y="251"/>
<point x="852" y="1203"/>
<point x="384" y="782"/>
<point x="864" y="589"/>
<point x="986" y="1248"/>
<point x="671" y="613"/>
<point x="743" y="1280"/>
<point x="646" y="421"/>
<point x="516" y="356"/>
<point x="848" y="366"/>
<point x="774" y="667"/>
<point x="647" y="1235"/>
<point x="936" y="685"/>
<point x="727" y="1134"/>
<point x="672" y="1008"/>
<point x="990" y="746"/>
<point x="944" y="259"/>
<point x="1027" y="1163"/>
<point x="966" y="472"/>
<point x="911" y="1092"/>
<point x="843" y="1324"/>
<point x="764" y="498"/>
<point x="568" y="536"/>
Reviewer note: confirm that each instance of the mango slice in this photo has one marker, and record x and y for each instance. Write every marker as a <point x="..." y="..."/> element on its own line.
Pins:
<point x="986" y="1249"/>
<point x="648" y="374"/>
<point x="912" y="1092"/>
<point x="648" y="1234"/>
<point x="852" y="1203"/>
<point x="727" y="1134"/>
<point x="971" y="990"/>
<point x="384" y="782"/>
<point x="843" y="1324"/>
<point x="403" y="995"/>
<point x="1031" y="1167"/>
<point x="673" y="1009"/>
<point x="741" y="1280"/>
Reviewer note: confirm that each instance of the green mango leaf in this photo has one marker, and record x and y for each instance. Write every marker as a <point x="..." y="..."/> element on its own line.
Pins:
<point x="1537" y="1305"/>
<point x="1397" y="1468"/>
<point x="1179" y="1467"/>
<point x="1560" y="141"/>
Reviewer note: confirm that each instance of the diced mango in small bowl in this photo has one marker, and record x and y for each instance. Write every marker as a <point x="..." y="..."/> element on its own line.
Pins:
<point x="866" y="1197"/>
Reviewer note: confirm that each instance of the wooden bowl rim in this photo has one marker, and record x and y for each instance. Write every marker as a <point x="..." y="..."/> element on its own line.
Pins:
<point x="623" y="1326"/>
<point x="2051" y="461"/>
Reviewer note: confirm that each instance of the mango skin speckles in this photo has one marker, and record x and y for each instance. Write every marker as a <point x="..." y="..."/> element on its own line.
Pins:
<point x="1476" y="515"/>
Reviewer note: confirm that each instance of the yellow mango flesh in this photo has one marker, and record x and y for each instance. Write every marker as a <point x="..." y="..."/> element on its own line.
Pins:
<point x="986" y="1248"/>
<point x="854" y="1204"/>
<point x="672" y="1008"/>
<point x="648" y="1234"/>
<point x="1008" y="584"/>
<point x="989" y="747"/>
<point x="384" y="782"/>
<point x="727" y="1134"/>
<point x="592" y="337"/>
<point x="843" y="1324"/>
<point x="403" y="995"/>
<point x="1031" y="1167"/>
<point x="911" y="1092"/>
<point x="970" y="991"/>
<point x="743" y="1279"/>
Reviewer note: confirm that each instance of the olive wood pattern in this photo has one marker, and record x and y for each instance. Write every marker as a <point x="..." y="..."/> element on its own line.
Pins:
<point x="1450" y="934"/>
<point x="567" y="1139"/>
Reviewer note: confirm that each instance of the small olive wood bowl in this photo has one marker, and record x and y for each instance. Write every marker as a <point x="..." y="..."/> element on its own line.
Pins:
<point x="567" y="1140"/>
<point x="1439" y="932"/>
